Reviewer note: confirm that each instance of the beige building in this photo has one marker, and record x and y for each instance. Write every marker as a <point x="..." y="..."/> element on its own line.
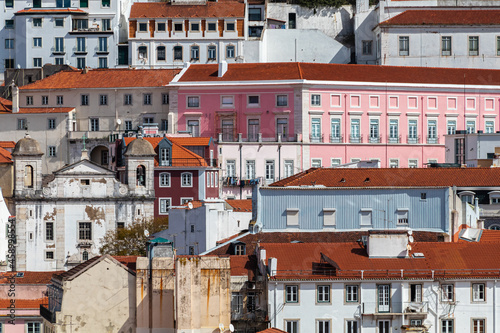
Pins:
<point x="62" y="217"/>
<point x="96" y="296"/>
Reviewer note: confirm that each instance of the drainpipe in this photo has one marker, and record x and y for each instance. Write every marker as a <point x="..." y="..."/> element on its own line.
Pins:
<point x="494" y="305"/>
<point x="241" y="171"/>
<point x="402" y="304"/>
<point x="279" y="162"/>
<point x="275" y="314"/>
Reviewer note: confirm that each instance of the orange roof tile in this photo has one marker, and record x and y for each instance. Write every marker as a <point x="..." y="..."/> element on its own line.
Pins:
<point x="210" y="9"/>
<point x="394" y="177"/>
<point x="191" y="141"/>
<point x="448" y="260"/>
<point x="29" y="277"/>
<point x="5" y="105"/>
<point x="50" y="11"/>
<point x="105" y="78"/>
<point x="240" y="205"/>
<point x="243" y="265"/>
<point x="445" y="17"/>
<point x="490" y="236"/>
<point x="339" y="72"/>
<point x="7" y="144"/>
<point x="24" y="303"/>
<point x="5" y="156"/>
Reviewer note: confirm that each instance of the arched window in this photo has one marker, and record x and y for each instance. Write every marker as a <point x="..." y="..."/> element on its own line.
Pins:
<point x="164" y="179"/>
<point x="178" y="53"/>
<point x="230" y="51"/>
<point x="28" y="176"/>
<point x="494" y="227"/>
<point x="141" y="175"/>
<point x="195" y="53"/>
<point x="143" y="52"/>
<point x="186" y="179"/>
<point x="212" y="52"/>
<point x="85" y="255"/>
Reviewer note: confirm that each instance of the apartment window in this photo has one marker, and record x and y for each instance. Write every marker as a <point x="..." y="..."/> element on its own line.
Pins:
<point x="22" y="124"/>
<point x="212" y="52"/>
<point x="34" y="327"/>
<point x="160" y="53"/>
<point x="105" y="3"/>
<point x="231" y="168"/>
<point x="81" y="44"/>
<point x="447" y="326"/>
<point x="412" y="131"/>
<point x="253" y="100"/>
<point x="161" y="27"/>
<point x="253" y="130"/>
<point x="9" y="3"/>
<point x="282" y="100"/>
<point x="211" y="27"/>
<point x="186" y="179"/>
<point x="80" y="63"/>
<point x="45" y="100"/>
<point x="227" y="101"/>
<point x="451" y="126"/>
<point x="195" y="27"/>
<point x="49" y="255"/>
<point x="416" y="293"/>
<point x="165" y="157"/>
<point x="227" y="130"/>
<point x="292" y="326"/>
<point x="142" y="52"/>
<point x="288" y="165"/>
<point x="404" y="45"/>
<point x="29" y="100"/>
<point x="316" y="129"/>
<point x="335" y="162"/>
<point x="164" y="179"/>
<point x="9" y="43"/>
<point x="59" y="100"/>
<point x="351" y="294"/>
<point x="193" y="126"/>
<point x="478" y="292"/>
<point x="59" y="44"/>
<point x="412" y="163"/>
<point x="106" y="25"/>
<point x="323" y="294"/>
<point x="85" y="230"/>
<point x="291" y="294"/>
<point x="51" y="123"/>
<point x="384" y="297"/>
<point x="250" y="169"/>
<point x="193" y="101"/>
<point x="229" y="26"/>
<point x="128" y="125"/>
<point x="282" y="126"/>
<point x="147" y="99"/>
<point x="471" y="126"/>
<point x="393" y="163"/>
<point x="195" y="53"/>
<point x="103" y="62"/>
<point x="164" y="124"/>
<point x="178" y="27"/>
<point x="37" y="22"/>
<point x="498" y="45"/>
<point x="365" y="217"/>
<point x="52" y="151"/>
<point x="103" y="44"/>
<point x="94" y="124"/>
<point x="37" y="62"/>
<point x="269" y="171"/>
<point x="165" y="99"/>
<point x="402" y="216"/>
<point x="127" y="99"/>
<point x="432" y="131"/>
<point x="478" y="325"/>
<point x="103" y="99"/>
<point x="9" y="24"/>
<point x="355" y="135"/>
<point x="49" y="231"/>
<point x="143" y="27"/>
<point x="165" y="204"/>
<point x="9" y="63"/>
<point x="254" y="14"/>
<point x="237" y="303"/>
<point x="351" y="326"/>
<point x="393" y="131"/>
<point x="374" y="130"/>
<point x="59" y="61"/>
<point x="489" y="127"/>
<point x="316" y="163"/>
<point x="367" y="47"/>
<point x="473" y="45"/>
<point x="447" y="294"/>
<point x="446" y="46"/>
<point x="315" y="100"/>
<point x="230" y="51"/>
<point x="323" y="326"/>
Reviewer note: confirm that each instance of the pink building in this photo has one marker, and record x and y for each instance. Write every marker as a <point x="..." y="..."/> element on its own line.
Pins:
<point x="273" y="120"/>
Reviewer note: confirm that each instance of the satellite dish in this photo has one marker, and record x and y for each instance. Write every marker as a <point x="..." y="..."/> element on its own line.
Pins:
<point x="410" y="239"/>
<point x="221" y="327"/>
<point x="146" y="233"/>
<point x="190" y="205"/>
<point x="231" y="327"/>
<point x="119" y="121"/>
<point x="410" y="232"/>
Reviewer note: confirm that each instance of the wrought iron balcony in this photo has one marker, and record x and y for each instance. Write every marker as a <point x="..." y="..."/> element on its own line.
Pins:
<point x="432" y="139"/>
<point x="394" y="139"/>
<point x="413" y="139"/>
<point x="374" y="139"/>
<point x="336" y="138"/>
<point x="316" y="137"/>
<point x="355" y="138"/>
<point x="47" y="314"/>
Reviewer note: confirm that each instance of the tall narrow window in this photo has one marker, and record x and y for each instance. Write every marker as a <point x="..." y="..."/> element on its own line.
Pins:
<point x="489" y="127"/>
<point x="446" y="46"/>
<point x="230" y="51"/>
<point x="404" y="45"/>
<point x="250" y="169"/>
<point x="374" y="131"/>
<point x="451" y="126"/>
<point x="393" y="131"/>
<point x="412" y="131"/>
<point x="473" y="45"/>
<point x="269" y="171"/>
<point x="227" y="130"/>
<point x="141" y="175"/>
<point x="178" y="53"/>
<point x="288" y="168"/>
<point x="164" y="156"/>
<point x="103" y="44"/>
<point x="416" y="293"/>
<point x="212" y="52"/>
<point x="142" y="52"/>
<point x="253" y="130"/>
<point x="28" y="176"/>
<point x="316" y="130"/>
<point x="471" y="126"/>
<point x="160" y="53"/>
<point x="231" y="168"/>
<point x="335" y="130"/>
<point x="432" y="131"/>
<point x="282" y="128"/>
<point x="195" y="53"/>
<point x="355" y="135"/>
<point x="193" y="126"/>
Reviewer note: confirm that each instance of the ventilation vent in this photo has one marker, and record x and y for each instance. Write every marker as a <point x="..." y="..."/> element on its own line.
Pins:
<point x="342" y="180"/>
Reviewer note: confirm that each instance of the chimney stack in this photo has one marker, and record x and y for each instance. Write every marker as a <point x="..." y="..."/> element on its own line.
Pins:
<point x="15" y="97"/>
<point x="222" y="68"/>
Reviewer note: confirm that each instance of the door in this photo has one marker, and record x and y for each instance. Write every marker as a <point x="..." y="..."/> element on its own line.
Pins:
<point x="384" y="326"/>
<point x="383" y="298"/>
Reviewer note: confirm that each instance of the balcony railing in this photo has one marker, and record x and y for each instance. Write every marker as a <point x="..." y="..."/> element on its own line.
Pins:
<point x="413" y="139"/>
<point x="394" y="308"/>
<point x="432" y="139"/>
<point x="374" y="139"/>
<point x="394" y="139"/>
<point x="336" y="138"/>
<point x="355" y="138"/>
<point x="316" y="137"/>
<point x="47" y="314"/>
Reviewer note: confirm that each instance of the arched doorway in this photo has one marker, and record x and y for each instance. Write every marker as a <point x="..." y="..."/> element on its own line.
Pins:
<point x="100" y="155"/>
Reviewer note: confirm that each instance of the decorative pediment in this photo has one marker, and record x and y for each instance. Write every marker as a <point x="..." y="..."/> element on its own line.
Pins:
<point x="84" y="167"/>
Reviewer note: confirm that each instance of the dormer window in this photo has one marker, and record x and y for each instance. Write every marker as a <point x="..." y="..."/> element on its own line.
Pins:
<point x="467" y="196"/>
<point x="494" y="197"/>
<point x="239" y="249"/>
<point x="165" y="157"/>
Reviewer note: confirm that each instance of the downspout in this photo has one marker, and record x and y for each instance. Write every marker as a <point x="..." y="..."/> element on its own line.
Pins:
<point x="345" y="129"/>
<point x="279" y="162"/>
<point x="402" y="304"/>
<point x="275" y="309"/>
<point x="494" y="307"/>
<point x="241" y="171"/>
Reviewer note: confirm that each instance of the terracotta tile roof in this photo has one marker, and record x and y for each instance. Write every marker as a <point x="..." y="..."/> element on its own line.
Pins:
<point x="76" y="270"/>
<point x="445" y="17"/>
<point x="490" y="236"/>
<point x="129" y="261"/>
<point x="105" y="78"/>
<point x="251" y="240"/>
<point x="167" y="10"/>
<point x="191" y="141"/>
<point x="394" y="177"/>
<point x="5" y="156"/>
<point x="50" y="11"/>
<point x="243" y="266"/>
<point x="339" y="72"/>
<point x="45" y="110"/>
<point x="195" y="203"/>
<point x="24" y="303"/>
<point x="271" y="330"/>
<point x="5" y="105"/>
<point x="240" y="205"/>
<point x="448" y="260"/>
<point x="180" y="156"/>
<point x="222" y="241"/>
<point x="29" y="277"/>
<point x="7" y="144"/>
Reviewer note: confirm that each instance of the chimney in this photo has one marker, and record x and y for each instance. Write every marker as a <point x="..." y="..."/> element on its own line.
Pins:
<point x="15" y="98"/>
<point x="222" y="68"/>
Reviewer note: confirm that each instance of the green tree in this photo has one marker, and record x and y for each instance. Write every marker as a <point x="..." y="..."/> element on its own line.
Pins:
<point x="131" y="240"/>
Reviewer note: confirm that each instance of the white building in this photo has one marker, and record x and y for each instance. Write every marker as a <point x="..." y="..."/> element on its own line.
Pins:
<point x="62" y="217"/>
<point x="6" y="232"/>
<point x="381" y="286"/>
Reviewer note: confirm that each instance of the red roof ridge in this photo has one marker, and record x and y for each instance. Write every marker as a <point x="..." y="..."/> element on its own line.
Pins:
<point x="300" y="71"/>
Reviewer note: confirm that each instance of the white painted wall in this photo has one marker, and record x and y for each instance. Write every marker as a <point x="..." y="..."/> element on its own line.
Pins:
<point x="4" y="236"/>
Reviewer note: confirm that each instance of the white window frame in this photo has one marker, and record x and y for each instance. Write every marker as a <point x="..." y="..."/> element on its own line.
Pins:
<point x="401" y="215"/>
<point x="166" y="175"/>
<point x="167" y="207"/>
<point x="195" y="98"/>
<point x="361" y="213"/>
<point x="412" y="163"/>
<point x="279" y="100"/>
<point x="486" y="127"/>
<point x="478" y="292"/>
<point x="185" y="200"/>
<point x="224" y="99"/>
<point x="292" y="216"/>
<point x="351" y="293"/>
<point x="329" y="217"/>
<point x="315" y="100"/>
<point x="291" y="293"/>
<point x="447" y="293"/>
<point x="187" y="179"/>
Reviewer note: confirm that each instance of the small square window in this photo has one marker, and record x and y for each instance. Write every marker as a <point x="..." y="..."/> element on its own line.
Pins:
<point x="120" y="225"/>
<point x="9" y="24"/>
<point x="281" y="100"/>
<point x="9" y="43"/>
<point x="323" y="294"/>
<point x="367" y="47"/>
<point x="37" y="62"/>
<point x="195" y="27"/>
<point x="291" y="294"/>
<point x="37" y="22"/>
<point x="212" y="27"/>
<point x="423" y="196"/>
<point x="230" y="26"/>
<point x="351" y="293"/>
<point x="59" y="22"/>
<point x="227" y="101"/>
<point x="178" y="27"/>
<point x="161" y="27"/>
<point x="253" y="100"/>
<point x="49" y="255"/>
<point x="193" y="101"/>
<point x="143" y="27"/>
<point x="316" y="100"/>
<point x="22" y="124"/>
